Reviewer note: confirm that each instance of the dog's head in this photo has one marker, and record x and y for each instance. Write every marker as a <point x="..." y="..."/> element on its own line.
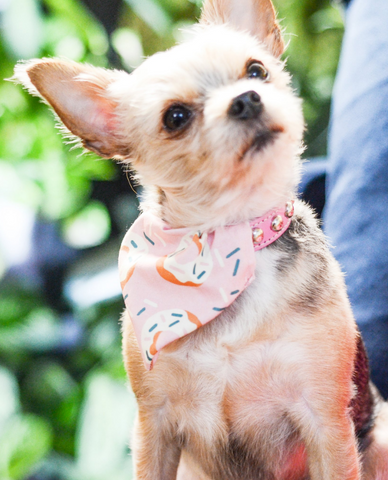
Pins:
<point x="211" y="127"/>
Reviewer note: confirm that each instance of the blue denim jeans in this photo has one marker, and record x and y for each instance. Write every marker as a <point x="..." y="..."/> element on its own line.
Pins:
<point x="356" y="208"/>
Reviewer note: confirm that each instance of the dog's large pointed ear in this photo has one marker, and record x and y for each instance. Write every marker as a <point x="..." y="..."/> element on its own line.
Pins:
<point x="258" y="17"/>
<point x="79" y="96"/>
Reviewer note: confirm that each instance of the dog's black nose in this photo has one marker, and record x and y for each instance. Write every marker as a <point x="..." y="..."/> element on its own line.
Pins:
<point x="246" y="106"/>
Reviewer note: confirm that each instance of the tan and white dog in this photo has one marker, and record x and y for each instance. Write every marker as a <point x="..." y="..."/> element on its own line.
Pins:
<point x="276" y="386"/>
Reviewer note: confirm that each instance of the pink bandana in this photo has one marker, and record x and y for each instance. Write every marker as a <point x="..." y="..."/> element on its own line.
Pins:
<point x="176" y="280"/>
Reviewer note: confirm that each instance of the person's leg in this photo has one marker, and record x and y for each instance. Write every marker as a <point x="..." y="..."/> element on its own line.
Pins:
<point x="356" y="211"/>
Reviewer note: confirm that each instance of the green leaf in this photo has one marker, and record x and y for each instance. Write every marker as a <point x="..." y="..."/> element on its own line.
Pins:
<point x="9" y="403"/>
<point x="87" y="228"/>
<point x="16" y="305"/>
<point x="153" y="14"/>
<point x="39" y="332"/>
<point x="327" y="18"/>
<point x="49" y="383"/>
<point x="127" y="44"/>
<point x="24" y="441"/>
<point x="103" y="435"/>
<point x="83" y="20"/>
<point x="17" y="187"/>
<point x="88" y="167"/>
<point x="22" y="28"/>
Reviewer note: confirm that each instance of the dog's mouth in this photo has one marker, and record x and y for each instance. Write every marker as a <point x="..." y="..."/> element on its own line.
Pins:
<point x="262" y="138"/>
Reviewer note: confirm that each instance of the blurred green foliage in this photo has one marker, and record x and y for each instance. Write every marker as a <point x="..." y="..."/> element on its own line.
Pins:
<point x="66" y="414"/>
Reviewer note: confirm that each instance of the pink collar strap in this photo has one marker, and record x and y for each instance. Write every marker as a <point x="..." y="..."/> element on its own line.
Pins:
<point x="269" y="227"/>
<point x="176" y="280"/>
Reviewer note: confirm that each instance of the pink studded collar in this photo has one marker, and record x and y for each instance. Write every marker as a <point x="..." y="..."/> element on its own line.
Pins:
<point x="176" y="280"/>
<point x="269" y="227"/>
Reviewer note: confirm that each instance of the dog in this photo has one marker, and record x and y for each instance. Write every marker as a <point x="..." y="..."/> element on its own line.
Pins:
<point x="268" y="381"/>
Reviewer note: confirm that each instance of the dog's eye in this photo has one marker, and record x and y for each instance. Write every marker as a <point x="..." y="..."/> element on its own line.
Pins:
<point x="177" y="117"/>
<point x="257" y="70"/>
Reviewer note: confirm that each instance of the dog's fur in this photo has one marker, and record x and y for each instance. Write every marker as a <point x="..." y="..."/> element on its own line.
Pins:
<point x="275" y="387"/>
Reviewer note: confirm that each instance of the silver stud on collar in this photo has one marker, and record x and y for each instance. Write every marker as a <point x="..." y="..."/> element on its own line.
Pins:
<point x="257" y="235"/>
<point x="289" y="210"/>
<point x="277" y="223"/>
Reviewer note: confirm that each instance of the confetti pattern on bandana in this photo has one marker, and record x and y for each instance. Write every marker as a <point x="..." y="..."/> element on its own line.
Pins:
<point x="176" y="280"/>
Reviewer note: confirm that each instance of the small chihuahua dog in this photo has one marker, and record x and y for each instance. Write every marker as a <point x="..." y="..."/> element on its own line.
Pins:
<point x="254" y="366"/>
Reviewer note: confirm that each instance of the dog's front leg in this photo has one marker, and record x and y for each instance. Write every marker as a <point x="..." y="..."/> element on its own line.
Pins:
<point x="156" y="450"/>
<point x="330" y="442"/>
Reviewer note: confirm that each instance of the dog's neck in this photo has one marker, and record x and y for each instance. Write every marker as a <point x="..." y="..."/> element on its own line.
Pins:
<point x="209" y="216"/>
